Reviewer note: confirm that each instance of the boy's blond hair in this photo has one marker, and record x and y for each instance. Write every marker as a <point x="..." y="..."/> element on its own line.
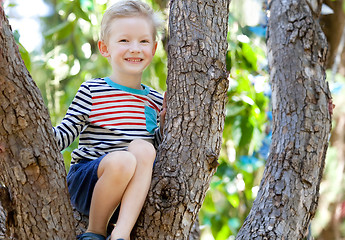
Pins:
<point x="129" y="8"/>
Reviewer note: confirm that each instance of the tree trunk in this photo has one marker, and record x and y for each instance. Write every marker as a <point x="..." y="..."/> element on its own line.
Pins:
<point x="32" y="175"/>
<point x="197" y="86"/>
<point x="289" y="191"/>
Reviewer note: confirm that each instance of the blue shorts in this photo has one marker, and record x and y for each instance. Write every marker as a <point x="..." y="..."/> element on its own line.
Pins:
<point x="81" y="180"/>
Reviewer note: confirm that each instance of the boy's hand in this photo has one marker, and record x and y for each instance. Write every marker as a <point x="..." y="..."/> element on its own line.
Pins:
<point x="162" y="114"/>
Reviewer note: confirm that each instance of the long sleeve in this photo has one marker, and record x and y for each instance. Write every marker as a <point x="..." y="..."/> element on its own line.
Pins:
<point x="157" y="140"/>
<point x="158" y="100"/>
<point x="76" y="118"/>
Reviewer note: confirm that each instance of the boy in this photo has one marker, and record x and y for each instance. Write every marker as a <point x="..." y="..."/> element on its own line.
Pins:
<point x="116" y="118"/>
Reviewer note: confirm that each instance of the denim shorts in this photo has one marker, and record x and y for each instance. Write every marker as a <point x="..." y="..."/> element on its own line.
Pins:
<point x="81" y="180"/>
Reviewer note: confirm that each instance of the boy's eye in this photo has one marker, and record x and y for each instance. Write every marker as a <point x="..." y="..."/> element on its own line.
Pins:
<point x="145" y="41"/>
<point x="123" y="40"/>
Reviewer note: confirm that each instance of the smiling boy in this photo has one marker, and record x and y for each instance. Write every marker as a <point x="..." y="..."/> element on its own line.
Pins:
<point x="116" y="118"/>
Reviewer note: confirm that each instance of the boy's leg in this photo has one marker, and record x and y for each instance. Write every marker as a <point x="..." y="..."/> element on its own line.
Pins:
<point x="114" y="173"/>
<point x="137" y="189"/>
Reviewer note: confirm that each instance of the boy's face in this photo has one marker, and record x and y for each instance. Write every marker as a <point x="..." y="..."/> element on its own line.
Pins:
<point x="130" y="45"/>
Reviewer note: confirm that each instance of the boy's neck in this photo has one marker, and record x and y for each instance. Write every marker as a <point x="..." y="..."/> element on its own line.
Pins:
<point x="127" y="81"/>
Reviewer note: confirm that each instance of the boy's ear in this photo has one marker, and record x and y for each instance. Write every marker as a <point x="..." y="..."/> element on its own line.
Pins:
<point x="154" y="49"/>
<point x="103" y="49"/>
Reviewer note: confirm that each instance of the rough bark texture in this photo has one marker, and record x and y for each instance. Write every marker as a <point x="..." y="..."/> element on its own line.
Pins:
<point x="289" y="191"/>
<point x="197" y="85"/>
<point x="33" y="196"/>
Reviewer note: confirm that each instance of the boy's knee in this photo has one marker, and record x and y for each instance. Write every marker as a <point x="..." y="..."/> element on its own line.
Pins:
<point x="142" y="150"/>
<point x="119" y="163"/>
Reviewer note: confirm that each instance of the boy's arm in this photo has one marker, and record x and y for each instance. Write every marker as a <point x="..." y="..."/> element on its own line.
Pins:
<point x="75" y="120"/>
<point x="158" y="135"/>
<point x="162" y="114"/>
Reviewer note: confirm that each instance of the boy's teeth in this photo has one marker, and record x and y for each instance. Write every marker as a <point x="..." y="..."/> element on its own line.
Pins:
<point x="134" y="60"/>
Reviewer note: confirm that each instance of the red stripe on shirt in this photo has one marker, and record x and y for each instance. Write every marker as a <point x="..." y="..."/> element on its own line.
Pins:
<point x="120" y="124"/>
<point x="117" y="112"/>
<point x="117" y="118"/>
<point x="121" y="106"/>
<point x="112" y="95"/>
<point x="152" y="104"/>
<point x="117" y="101"/>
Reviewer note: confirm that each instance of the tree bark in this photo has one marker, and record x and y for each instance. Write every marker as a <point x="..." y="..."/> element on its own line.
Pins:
<point x="33" y="196"/>
<point x="289" y="191"/>
<point x="196" y="96"/>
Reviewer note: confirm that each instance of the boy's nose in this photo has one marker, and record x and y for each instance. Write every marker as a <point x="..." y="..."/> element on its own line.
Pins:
<point x="134" y="48"/>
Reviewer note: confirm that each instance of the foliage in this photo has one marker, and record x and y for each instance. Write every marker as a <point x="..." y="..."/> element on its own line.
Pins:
<point x="234" y="186"/>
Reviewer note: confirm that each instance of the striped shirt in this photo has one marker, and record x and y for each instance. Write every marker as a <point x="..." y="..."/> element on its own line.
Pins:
<point x="108" y="116"/>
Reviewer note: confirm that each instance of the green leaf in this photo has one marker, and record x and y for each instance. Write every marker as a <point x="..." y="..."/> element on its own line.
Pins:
<point x="237" y="131"/>
<point x="247" y="131"/>
<point x="16" y="35"/>
<point x="209" y="205"/>
<point x="233" y="109"/>
<point x="87" y="4"/>
<point x="25" y="56"/>
<point x="216" y="224"/>
<point x="62" y="27"/>
<point x="234" y="200"/>
<point x="224" y="233"/>
<point x="80" y="13"/>
<point x="249" y="55"/>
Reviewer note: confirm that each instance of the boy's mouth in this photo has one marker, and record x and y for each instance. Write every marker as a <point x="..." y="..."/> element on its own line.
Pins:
<point x="134" y="59"/>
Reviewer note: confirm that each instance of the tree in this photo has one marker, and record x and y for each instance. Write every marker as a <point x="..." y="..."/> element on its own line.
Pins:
<point x="288" y="195"/>
<point x="197" y="80"/>
<point x="32" y="175"/>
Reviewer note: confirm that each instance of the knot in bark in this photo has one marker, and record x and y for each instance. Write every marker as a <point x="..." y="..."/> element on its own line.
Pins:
<point x="5" y="199"/>
<point x="167" y="192"/>
<point x="212" y="158"/>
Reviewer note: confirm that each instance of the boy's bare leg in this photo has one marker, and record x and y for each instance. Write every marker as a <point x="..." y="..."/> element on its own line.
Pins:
<point x="114" y="173"/>
<point x="136" y="192"/>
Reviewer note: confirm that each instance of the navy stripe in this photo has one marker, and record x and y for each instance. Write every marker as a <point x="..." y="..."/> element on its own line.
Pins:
<point x="156" y="95"/>
<point x="64" y="136"/>
<point x="71" y="121"/>
<point x="82" y="106"/>
<point x="104" y="90"/>
<point x="113" y="134"/>
<point x="70" y="131"/>
<point x="82" y="99"/>
<point x="157" y="102"/>
<point x="84" y="157"/>
<point x="108" y="149"/>
<point x="75" y="110"/>
<point x="103" y="141"/>
<point x="87" y="94"/>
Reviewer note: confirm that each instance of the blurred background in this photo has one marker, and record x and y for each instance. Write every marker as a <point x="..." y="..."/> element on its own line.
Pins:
<point x="58" y="42"/>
